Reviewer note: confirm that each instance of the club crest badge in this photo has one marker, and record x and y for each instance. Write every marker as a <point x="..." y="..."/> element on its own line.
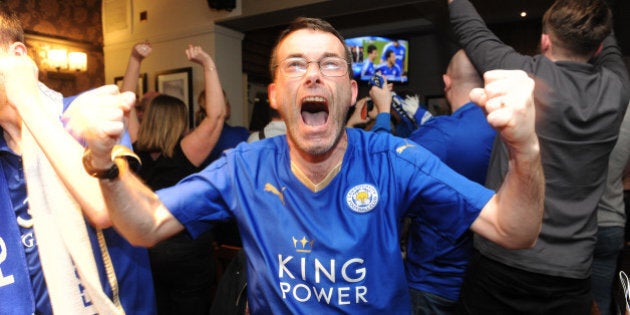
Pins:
<point x="362" y="198"/>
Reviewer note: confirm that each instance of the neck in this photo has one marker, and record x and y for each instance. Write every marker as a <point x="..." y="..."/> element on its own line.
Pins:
<point x="13" y="137"/>
<point x="11" y="124"/>
<point x="317" y="167"/>
<point x="459" y="99"/>
<point x="560" y="55"/>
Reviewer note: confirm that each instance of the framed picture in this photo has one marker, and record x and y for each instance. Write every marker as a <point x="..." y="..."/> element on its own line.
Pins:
<point x="141" y="87"/>
<point x="177" y="83"/>
<point x="438" y="105"/>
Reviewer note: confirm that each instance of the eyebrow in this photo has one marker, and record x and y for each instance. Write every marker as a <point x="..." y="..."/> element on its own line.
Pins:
<point x="300" y="55"/>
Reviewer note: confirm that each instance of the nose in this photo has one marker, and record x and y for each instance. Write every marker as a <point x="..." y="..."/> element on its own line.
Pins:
<point x="312" y="71"/>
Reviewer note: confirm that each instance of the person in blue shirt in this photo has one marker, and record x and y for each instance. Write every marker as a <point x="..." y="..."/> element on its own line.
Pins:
<point x="399" y="51"/>
<point x="319" y="209"/>
<point x="463" y="140"/>
<point x="25" y="287"/>
<point x="368" y="69"/>
<point x="389" y="68"/>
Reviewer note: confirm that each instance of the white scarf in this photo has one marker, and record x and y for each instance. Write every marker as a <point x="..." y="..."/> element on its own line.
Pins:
<point x="66" y="255"/>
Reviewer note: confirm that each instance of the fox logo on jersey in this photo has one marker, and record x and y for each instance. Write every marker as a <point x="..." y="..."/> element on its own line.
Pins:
<point x="362" y="198"/>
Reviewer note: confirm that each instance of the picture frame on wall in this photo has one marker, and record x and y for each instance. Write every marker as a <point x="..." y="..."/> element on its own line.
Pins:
<point x="141" y="87"/>
<point x="177" y="83"/>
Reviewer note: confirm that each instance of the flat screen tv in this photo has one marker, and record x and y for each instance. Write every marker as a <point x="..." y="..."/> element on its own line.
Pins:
<point x="374" y="53"/>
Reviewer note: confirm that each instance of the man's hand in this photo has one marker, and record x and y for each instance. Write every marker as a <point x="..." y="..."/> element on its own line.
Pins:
<point x="97" y="116"/>
<point x="509" y="104"/>
<point x="382" y="97"/>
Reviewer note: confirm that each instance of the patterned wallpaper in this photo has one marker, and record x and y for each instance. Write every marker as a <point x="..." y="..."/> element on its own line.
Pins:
<point x="72" y="24"/>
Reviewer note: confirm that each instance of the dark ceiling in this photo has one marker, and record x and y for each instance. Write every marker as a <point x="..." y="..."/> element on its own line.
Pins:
<point x="400" y="18"/>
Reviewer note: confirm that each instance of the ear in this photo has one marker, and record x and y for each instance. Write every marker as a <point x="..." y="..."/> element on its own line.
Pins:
<point x="545" y="43"/>
<point x="271" y="93"/>
<point x="355" y="91"/>
<point x="599" y="50"/>
<point x="447" y="81"/>
<point x="18" y="49"/>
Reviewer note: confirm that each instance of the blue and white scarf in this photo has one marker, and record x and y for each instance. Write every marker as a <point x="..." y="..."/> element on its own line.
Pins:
<point x="16" y="293"/>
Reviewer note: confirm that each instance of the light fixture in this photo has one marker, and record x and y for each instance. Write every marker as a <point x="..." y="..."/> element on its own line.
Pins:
<point x="58" y="59"/>
<point x="77" y="61"/>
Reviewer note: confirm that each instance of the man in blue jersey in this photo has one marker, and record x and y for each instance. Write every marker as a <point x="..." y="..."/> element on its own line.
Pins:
<point x="319" y="209"/>
<point x="399" y="51"/>
<point x="390" y="69"/>
<point x="368" y="69"/>
<point x="463" y="140"/>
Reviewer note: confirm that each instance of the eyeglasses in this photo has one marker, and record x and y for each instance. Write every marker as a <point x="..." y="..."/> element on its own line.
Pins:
<point x="296" y="67"/>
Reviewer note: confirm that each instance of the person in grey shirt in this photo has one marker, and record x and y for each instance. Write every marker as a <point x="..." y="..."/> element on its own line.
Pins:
<point x="611" y="221"/>
<point x="582" y="91"/>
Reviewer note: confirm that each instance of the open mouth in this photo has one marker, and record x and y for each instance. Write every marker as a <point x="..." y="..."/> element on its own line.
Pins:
<point x="314" y="111"/>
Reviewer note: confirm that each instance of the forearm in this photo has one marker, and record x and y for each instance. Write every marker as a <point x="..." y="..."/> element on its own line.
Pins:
<point x="483" y="47"/>
<point x="64" y="154"/>
<point x="130" y="80"/>
<point x="519" y="202"/>
<point x="524" y="189"/>
<point x="215" y="101"/>
<point x="198" y="144"/>
<point x="135" y="210"/>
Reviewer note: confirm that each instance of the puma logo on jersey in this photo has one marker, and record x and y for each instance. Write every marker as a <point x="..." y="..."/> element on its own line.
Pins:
<point x="400" y="149"/>
<point x="272" y="189"/>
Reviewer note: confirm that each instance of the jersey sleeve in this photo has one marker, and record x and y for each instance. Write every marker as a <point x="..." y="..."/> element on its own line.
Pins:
<point x="440" y="196"/>
<point x="198" y="200"/>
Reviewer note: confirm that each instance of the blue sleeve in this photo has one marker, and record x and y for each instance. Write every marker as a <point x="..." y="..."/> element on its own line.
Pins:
<point x="382" y="123"/>
<point x="198" y="200"/>
<point x="438" y="195"/>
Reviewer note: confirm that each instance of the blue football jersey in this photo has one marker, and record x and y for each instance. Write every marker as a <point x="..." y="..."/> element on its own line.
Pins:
<point x="335" y="249"/>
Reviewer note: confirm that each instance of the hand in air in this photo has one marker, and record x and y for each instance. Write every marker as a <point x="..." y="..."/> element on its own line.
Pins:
<point x="508" y="101"/>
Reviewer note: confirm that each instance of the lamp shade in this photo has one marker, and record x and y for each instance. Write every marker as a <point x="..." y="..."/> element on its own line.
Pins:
<point x="78" y="61"/>
<point x="58" y="58"/>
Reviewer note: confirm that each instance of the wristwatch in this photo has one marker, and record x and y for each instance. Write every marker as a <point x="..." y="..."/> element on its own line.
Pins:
<point x="118" y="151"/>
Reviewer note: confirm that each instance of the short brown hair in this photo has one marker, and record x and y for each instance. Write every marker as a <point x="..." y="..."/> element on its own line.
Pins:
<point x="10" y="26"/>
<point x="307" y="23"/>
<point x="578" y="26"/>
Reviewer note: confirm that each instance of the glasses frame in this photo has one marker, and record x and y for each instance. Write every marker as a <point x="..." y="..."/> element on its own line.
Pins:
<point x="308" y="63"/>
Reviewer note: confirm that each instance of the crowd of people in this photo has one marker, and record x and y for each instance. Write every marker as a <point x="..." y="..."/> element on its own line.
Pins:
<point x="512" y="203"/>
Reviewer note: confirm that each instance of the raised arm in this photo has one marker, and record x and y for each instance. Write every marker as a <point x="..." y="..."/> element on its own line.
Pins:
<point x="513" y="217"/>
<point x="59" y="147"/>
<point x="198" y="144"/>
<point x="611" y="57"/>
<point x="483" y="47"/>
<point x="130" y="81"/>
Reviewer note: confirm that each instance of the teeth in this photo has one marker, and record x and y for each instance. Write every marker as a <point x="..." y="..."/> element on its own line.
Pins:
<point x="314" y="99"/>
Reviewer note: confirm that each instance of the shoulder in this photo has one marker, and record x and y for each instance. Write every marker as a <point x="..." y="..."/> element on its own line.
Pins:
<point x="383" y="144"/>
